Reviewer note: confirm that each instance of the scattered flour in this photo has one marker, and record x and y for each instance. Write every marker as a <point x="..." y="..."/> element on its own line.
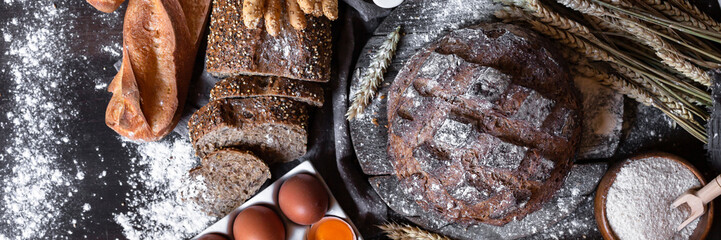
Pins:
<point x="40" y="177"/>
<point x="639" y="201"/>
<point x="160" y="208"/>
<point x="35" y="187"/>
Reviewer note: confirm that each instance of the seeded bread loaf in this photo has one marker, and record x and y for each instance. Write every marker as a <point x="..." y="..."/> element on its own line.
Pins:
<point x="257" y="86"/>
<point x="273" y="128"/>
<point x="234" y="49"/>
<point x="483" y="124"/>
<point x="231" y="176"/>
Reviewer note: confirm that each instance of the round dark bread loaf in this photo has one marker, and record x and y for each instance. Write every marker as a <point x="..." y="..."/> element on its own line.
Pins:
<point x="483" y="124"/>
<point x="231" y="176"/>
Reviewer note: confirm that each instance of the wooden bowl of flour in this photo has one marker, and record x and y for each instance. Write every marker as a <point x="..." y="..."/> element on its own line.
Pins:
<point x="704" y="224"/>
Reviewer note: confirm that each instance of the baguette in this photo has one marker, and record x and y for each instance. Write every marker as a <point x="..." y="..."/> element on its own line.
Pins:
<point x="106" y="6"/>
<point x="159" y="48"/>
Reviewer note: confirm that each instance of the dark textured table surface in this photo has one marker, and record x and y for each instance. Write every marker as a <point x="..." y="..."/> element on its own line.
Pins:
<point x="70" y="66"/>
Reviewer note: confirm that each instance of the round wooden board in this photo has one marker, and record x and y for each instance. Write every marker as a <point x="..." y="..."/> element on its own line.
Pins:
<point x="424" y="21"/>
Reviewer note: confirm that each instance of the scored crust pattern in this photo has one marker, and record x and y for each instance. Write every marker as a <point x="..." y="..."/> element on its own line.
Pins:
<point x="483" y="124"/>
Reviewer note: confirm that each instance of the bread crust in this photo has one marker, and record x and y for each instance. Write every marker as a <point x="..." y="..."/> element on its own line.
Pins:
<point x="258" y="86"/>
<point x="235" y="49"/>
<point x="106" y="6"/>
<point x="247" y="123"/>
<point x="158" y="56"/>
<point x="229" y="182"/>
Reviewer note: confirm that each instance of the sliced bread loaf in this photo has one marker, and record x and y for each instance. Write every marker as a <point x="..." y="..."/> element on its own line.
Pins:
<point x="235" y="49"/>
<point x="257" y="86"/>
<point x="274" y="128"/>
<point x="231" y="176"/>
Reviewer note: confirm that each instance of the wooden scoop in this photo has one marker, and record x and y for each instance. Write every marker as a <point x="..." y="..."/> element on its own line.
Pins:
<point x="697" y="201"/>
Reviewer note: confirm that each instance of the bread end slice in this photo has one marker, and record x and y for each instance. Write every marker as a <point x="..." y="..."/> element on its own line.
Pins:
<point x="231" y="177"/>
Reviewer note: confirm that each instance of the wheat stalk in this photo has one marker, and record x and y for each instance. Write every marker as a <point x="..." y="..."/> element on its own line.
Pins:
<point x="596" y="54"/>
<point x="646" y="80"/>
<point x="586" y="7"/>
<point x="581" y="66"/>
<point x="547" y="16"/>
<point x="406" y="232"/>
<point x="698" y="14"/>
<point x="565" y="37"/>
<point x="662" y="22"/>
<point x="616" y="83"/>
<point x="373" y="76"/>
<point x="674" y="13"/>
<point x="666" y="52"/>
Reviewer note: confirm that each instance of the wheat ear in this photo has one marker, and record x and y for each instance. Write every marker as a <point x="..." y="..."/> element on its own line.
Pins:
<point x="547" y="16"/>
<point x="564" y="37"/>
<point x="698" y="14"/>
<point x="668" y="54"/>
<point x="675" y="13"/>
<point x="581" y="66"/>
<point x="373" y="76"/>
<point x="406" y="232"/>
<point x="593" y="53"/>
<point x="616" y="83"/>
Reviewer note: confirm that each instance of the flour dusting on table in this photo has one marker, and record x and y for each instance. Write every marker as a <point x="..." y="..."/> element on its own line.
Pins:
<point x="639" y="201"/>
<point x="160" y="202"/>
<point x="35" y="187"/>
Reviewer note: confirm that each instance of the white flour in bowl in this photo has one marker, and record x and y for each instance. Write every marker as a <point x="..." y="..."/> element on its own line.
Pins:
<point x="638" y="204"/>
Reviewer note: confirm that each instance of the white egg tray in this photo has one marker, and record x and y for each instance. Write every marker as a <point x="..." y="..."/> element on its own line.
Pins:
<point x="269" y="198"/>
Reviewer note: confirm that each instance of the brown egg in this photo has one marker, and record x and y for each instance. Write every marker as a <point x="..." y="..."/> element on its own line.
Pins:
<point x="258" y="223"/>
<point x="303" y="199"/>
<point x="213" y="236"/>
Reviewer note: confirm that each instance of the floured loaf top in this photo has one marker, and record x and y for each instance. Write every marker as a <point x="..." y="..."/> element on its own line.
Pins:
<point x="483" y="124"/>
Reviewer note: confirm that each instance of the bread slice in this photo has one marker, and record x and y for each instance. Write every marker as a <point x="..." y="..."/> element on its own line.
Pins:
<point x="274" y="128"/>
<point x="234" y="49"/>
<point x="257" y="86"/>
<point x="231" y="176"/>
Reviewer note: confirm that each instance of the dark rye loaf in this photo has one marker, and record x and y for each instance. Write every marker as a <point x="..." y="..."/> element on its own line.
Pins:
<point x="483" y="124"/>
<point x="273" y="128"/>
<point x="234" y="49"/>
<point x="230" y="176"/>
<point x="257" y="86"/>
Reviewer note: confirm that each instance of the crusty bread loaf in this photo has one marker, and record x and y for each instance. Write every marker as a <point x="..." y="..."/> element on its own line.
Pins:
<point x="231" y="176"/>
<point x="257" y="86"/>
<point x="274" y="128"/>
<point x="233" y="49"/>
<point x="159" y="48"/>
<point x="483" y="124"/>
<point x="196" y="17"/>
<point x="107" y="6"/>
